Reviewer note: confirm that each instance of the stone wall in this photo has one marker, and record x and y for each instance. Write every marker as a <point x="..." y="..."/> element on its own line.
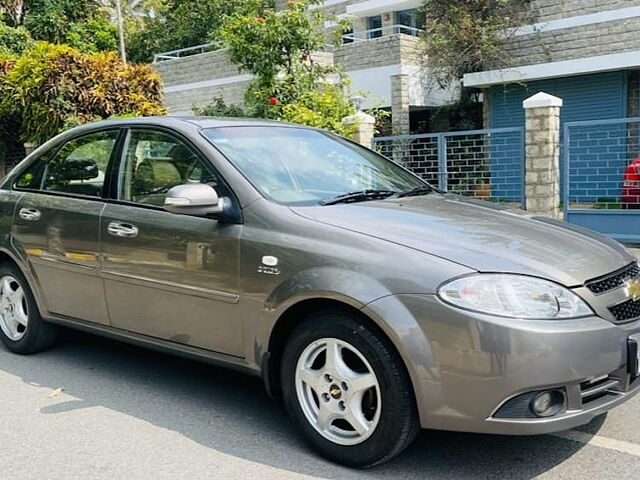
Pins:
<point x="378" y="52"/>
<point x="546" y="10"/>
<point x="198" y="79"/>
<point x="196" y="68"/>
<point x="181" y="102"/>
<point x="578" y="42"/>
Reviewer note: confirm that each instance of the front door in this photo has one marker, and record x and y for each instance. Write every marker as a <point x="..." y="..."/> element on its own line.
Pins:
<point x="56" y="225"/>
<point x="170" y="276"/>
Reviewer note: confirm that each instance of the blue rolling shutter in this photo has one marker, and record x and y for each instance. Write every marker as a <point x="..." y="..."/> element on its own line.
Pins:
<point x="589" y="97"/>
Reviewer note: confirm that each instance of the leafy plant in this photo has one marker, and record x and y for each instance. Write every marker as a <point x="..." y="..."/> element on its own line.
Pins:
<point x="463" y="36"/>
<point x="13" y="40"/>
<point x="53" y="87"/>
<point x="218" y="108"/>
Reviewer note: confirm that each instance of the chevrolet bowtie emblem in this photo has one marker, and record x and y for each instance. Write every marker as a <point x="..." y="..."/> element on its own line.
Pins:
<point x="633" y="289"/>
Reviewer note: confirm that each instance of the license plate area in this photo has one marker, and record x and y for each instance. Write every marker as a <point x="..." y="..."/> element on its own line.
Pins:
<point x="633" y="355"/>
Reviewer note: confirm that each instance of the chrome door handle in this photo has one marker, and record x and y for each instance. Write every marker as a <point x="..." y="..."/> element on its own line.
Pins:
<point x="125" y="230"/>
<point x="30" y="214"/>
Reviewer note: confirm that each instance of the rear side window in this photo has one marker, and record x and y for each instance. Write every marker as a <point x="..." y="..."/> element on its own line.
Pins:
<point x="80" y="166"/>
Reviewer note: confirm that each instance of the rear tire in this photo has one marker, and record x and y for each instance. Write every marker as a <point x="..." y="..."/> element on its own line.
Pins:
<point x="22" y="329"/>
<point x="357" y="409"/>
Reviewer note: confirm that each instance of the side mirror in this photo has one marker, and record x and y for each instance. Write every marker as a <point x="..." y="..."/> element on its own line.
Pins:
<point x="78" y="169"/>
<point x="196" y="199"/>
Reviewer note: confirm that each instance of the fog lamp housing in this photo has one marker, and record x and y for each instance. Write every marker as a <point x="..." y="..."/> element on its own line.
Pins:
<point x="547" y="403"/>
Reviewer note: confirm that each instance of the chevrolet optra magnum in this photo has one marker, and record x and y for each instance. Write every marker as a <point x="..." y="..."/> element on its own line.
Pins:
<point x="372" y="303"/>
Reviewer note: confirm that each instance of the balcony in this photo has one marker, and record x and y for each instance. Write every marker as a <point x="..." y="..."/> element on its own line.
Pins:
<point x="364" y="35"/>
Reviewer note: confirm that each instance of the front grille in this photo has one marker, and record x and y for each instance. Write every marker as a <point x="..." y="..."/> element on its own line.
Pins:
<point x="613" y="280"/>
<point x="599" y="387"/>
<point x="628" y="310"/>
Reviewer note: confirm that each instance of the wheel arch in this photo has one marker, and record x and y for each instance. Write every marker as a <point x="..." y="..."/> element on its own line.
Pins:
<point x="290" y="318"/>
<point x="7" y="256"/>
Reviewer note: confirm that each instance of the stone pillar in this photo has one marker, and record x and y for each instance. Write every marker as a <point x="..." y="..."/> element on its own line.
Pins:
<point x="486" y="108"/>
<point x="29" y="148"/>
<point x="400" y="120"/>
<point x="542" y="162"/>
<point x="361" y="124"/>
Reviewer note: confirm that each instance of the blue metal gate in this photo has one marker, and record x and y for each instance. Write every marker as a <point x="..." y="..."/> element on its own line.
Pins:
<point x="601" y="176"/>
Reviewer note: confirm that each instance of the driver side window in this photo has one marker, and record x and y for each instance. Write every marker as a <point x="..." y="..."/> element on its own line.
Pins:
<point x="153" y="163"/>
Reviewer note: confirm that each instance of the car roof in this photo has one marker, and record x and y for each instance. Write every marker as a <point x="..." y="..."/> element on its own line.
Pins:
<point x="200" y="122"/>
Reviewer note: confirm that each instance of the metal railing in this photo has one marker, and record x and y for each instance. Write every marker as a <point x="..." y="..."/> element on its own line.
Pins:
<point x="185" y="52"/>
<point x="364" y="35"/>
<point x="602" y="164"/>
<point x="486" y="164"/>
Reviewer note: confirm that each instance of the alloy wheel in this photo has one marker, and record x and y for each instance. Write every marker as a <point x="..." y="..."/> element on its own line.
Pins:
<point x="338" y="391"/>
<point x="14" y="316"/>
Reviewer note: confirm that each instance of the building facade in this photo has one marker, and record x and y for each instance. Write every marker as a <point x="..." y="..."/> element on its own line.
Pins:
<point x="586" y="52"/>
<point x="381" y="55"/>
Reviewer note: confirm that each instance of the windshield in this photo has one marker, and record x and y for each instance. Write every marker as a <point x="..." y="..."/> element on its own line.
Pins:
<point x="303" y="166"/>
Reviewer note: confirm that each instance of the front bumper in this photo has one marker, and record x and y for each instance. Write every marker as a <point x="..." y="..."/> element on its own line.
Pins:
<point x="465" y="366"/>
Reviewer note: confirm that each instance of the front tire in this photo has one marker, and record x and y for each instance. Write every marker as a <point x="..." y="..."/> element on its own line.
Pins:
<point x="348" y="390"/>
<point x="22" y="329"/>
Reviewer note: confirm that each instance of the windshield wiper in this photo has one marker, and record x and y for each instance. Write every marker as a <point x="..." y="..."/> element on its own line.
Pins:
<point x="359" y="196"/>
<point x="421" y="190"/>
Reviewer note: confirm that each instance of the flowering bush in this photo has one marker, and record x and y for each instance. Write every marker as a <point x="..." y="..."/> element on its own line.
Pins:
<point x="290" y="85"/>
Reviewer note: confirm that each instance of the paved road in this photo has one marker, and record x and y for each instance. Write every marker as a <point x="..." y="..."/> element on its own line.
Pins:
<point x="127" y="413"/>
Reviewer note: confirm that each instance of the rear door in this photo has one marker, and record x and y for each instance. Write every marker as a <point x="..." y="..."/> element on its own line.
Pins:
<point x="56" y="224"/>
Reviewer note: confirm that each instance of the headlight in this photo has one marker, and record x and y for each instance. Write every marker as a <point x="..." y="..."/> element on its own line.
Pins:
<point x="515" y="296"/>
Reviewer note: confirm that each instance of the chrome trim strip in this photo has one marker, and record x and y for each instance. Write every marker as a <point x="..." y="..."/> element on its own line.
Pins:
<point x="61" y="262"/>
<point x="603" y="387"/>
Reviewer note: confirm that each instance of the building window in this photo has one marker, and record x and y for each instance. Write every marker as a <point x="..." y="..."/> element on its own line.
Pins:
<point x="347" y="36"/>
<point x="375" y="26"/>
<point x="409" y="18"/>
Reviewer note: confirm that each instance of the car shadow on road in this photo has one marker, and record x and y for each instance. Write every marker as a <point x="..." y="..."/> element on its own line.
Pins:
<point x="231" y="413"/>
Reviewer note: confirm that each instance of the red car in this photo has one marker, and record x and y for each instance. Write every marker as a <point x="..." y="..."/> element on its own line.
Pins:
<point x="631" y="186"/>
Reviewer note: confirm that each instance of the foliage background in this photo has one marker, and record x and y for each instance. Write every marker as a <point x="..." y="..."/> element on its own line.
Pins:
<point x="54" y="87"/>
<point x="82" y="24"/>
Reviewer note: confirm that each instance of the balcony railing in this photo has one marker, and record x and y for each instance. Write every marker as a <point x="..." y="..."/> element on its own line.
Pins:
<point x="185" y="52"/>
<point x="205" y="47"/>
<point x="364" y="35"/>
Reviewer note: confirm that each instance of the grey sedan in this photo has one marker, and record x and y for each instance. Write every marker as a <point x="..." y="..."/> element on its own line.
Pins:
<point x="371" y="302"/>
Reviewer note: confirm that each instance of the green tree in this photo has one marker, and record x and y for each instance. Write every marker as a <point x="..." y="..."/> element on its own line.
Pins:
<point x="465" y="36"/>
<point x="279" y="48"/>
<point x="177" y="24"/>
<point x="83" y="24"/>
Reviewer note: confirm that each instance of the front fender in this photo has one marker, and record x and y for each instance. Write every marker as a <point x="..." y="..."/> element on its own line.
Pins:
<point x="353" y="288"/>
<point x="398" y="322"/>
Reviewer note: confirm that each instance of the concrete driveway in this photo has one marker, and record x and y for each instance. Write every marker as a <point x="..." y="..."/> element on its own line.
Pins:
<point x="130" y="413"/>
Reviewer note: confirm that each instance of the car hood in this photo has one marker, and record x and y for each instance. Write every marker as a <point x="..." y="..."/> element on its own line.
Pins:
<point x="480" y="236"/>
